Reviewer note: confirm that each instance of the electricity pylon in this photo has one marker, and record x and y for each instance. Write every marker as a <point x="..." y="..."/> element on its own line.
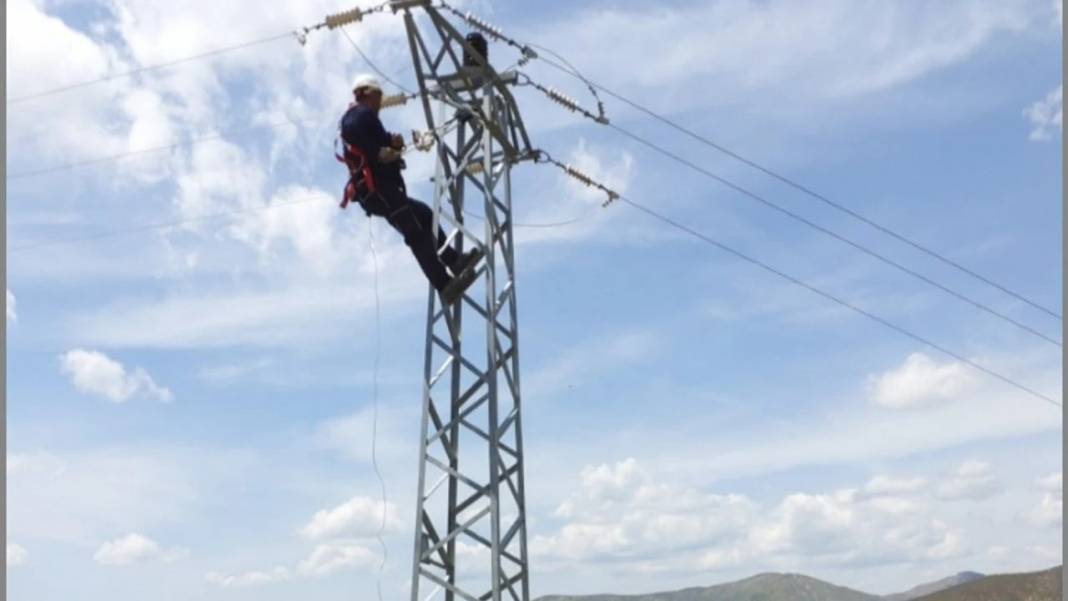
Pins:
<point x="470" y="533"/>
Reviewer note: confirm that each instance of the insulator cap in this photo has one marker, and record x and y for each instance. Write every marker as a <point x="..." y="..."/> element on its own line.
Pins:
<point x="580" y="176"/>
<point x="563" y="99"/>
<point x="484" y="26"/>
<point x="340" y="19"/>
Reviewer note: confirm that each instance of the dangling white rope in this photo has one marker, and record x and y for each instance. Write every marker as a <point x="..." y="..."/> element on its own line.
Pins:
<point x="374" y="420"/>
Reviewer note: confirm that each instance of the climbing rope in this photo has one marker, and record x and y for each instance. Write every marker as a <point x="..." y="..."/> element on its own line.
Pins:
<point x="374" y="418"/>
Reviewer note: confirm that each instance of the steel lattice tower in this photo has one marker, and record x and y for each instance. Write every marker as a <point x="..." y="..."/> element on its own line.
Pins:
<point x="470" y="534"/>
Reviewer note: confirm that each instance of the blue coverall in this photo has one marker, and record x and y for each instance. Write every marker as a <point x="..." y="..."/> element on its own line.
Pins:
<point x="361" y="127"/>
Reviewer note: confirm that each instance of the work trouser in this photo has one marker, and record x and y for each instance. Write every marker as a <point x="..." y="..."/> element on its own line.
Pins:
<point x="415" y="221"/>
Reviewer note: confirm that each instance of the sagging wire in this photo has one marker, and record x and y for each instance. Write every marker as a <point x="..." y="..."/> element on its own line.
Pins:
<point x="581" y="77"/>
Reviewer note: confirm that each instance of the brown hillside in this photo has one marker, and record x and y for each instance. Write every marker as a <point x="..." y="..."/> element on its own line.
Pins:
<point x="1035" y="586"/>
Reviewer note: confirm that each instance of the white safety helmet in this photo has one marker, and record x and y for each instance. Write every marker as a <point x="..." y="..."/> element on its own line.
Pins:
<point x="366" y="81"/>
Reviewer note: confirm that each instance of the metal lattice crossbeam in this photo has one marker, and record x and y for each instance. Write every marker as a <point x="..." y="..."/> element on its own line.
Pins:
<point x="471" y="536"/>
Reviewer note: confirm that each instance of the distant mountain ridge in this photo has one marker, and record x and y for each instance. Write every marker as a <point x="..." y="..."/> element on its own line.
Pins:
<point x="965" y="586"/>
<point x="762" y="587"/>
<point x="936" y="586"/>
<point x="1033" y="586"/>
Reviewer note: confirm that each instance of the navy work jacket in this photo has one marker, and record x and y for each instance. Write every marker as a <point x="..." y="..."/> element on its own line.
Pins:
<point x="362" y="128"/>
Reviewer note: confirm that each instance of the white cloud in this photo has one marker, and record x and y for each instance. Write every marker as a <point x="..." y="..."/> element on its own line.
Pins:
<point x="622" y="513"/>
<point x="246" y="579"/>
<point x="619" y="511"/>
<point x="1045" y="115"/>
<point x="971" y="480"/>
<point x="920" y="382"/>
<point x="1052" y="483"/>
<point x="331" y="557"/>
<point x="134" y="548"/>
<point x="357" y="517"/>
<point x="573" y="200"/>
<point x="16" y="555"/>
<point x="93" y="372"/>
<point x="11" y="315"/>
<point x="1050" y="510"/>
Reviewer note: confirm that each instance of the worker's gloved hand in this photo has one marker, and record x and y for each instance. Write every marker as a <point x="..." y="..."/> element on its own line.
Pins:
<point x="388" y="155"/>
<point x="397" y="141"/>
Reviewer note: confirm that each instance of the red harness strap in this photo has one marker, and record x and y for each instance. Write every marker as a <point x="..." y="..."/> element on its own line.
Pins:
<point x="358" y="166"/>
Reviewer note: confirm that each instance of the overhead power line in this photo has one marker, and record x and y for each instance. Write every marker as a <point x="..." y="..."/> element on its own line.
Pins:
<point x="797" y="217"/>
<point x="153" y="67"/>
<point x="801" y="188"/>
<point x="836" y="299"/>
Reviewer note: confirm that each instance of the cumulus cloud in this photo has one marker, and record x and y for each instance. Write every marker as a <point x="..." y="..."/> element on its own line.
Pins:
<point x="16" y="555"/>
<point x="920" y="382"/>
<point x="246" y="579"/>
<point x="93" y="372"/>
<point x="357" y="517"/>
<point x="134" y="548"/>
<point x="973" y="480"/>
<point x="325" y="559"/>
<point x="1045" y="115"/>
<point x="328" y="558"/>
<point x="621" y="512"/>
<point x="1050" y="509"/>
<point x="11" y="315"/>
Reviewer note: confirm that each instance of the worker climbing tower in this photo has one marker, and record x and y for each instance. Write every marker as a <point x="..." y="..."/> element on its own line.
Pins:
<point x="470" y="534"/>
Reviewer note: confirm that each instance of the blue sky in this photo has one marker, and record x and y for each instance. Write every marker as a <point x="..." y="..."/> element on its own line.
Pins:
<point x="189" y="408"/>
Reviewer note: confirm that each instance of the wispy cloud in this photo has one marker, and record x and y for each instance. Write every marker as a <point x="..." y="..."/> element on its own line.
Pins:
<point x="971" y="480"/>
<point x="248" y="579"/>
<point x="357" y="517"/>
<point x="1046" y="115"/>
<point x="134" y="548"/>
<point x="93" y="372"/>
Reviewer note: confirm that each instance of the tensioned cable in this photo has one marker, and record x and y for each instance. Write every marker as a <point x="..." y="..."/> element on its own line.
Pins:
<point x="836" y="299"/>
<point x="754" y="196"/>
<point x="800" y="187"/>
<point x="274" y="38"/>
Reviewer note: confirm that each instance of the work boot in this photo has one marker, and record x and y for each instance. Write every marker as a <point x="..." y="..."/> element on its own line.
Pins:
<point x="464" y="261"/>
<point x="465" y="276"/>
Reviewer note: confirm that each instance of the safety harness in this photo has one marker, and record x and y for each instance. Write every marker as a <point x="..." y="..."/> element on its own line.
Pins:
<point x="359" y="171"/>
